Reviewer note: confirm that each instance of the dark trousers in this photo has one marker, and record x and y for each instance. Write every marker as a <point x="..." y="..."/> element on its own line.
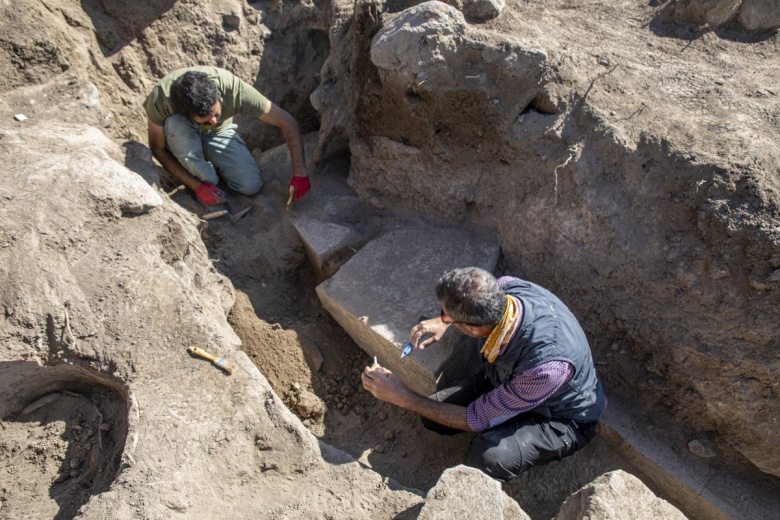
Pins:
<point x="527" y="440"/>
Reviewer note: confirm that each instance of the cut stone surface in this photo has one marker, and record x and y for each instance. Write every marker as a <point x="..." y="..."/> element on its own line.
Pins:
<point x="382" y="292"/>
<point x="325" y="242"/>
<point x="330" y="220"/>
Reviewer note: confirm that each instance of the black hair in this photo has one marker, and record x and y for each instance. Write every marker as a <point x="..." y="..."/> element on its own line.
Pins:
<point x="194" y="94"/>
<point x="471" y="295"/>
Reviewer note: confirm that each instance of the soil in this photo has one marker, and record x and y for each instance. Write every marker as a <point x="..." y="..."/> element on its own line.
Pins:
<point x="61" y="450"/>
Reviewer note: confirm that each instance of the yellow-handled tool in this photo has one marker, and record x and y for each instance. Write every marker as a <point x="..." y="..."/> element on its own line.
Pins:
<point x="224" y="364"/>
<point x="292" y="194"/>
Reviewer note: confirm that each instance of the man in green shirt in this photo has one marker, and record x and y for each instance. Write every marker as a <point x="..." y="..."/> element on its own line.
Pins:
<point x="191" y="132"/>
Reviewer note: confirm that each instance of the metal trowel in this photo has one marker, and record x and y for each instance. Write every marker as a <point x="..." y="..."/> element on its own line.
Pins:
<point x="407" y="350"/>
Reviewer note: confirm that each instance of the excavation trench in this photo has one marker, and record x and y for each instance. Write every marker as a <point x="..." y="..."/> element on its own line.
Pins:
<point x="315" y="366"/>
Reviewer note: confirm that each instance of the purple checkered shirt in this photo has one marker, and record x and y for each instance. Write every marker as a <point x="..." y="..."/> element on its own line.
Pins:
<point x="523" y="392"/>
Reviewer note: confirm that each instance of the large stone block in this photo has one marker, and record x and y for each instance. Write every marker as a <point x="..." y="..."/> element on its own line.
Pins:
<point x="382" y="291"/>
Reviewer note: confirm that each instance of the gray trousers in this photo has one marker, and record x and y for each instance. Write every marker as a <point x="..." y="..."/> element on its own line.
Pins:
<point x="515" y="446"/>
<point x="203" y="154"/>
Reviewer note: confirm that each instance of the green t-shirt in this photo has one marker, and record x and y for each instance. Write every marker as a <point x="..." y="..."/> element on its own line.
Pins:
<point x="236" y="96"/>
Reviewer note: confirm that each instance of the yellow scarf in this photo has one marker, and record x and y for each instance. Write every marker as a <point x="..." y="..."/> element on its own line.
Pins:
<point x="504" y="331"/>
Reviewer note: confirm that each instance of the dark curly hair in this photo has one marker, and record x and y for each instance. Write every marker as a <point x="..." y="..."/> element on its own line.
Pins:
<point x="471" y="295"/>
<point x="194" y="94"/>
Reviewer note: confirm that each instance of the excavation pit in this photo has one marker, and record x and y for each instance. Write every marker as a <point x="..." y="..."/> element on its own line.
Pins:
<point x="64" y="427"/>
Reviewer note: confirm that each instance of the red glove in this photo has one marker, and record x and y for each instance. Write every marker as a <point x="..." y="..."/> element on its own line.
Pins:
<point x="300" y="186"/>
<point x="209" y="194"/>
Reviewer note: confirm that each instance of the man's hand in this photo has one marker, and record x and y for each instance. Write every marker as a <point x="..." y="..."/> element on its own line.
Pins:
<point x="209" y="194"/>
<point x="435" y="327"/>
<point x="300" y="186"/>
<point x="384" y="385"/>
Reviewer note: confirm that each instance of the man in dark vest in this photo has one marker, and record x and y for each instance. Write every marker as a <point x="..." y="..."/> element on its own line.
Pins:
<point x="534" y="395"/>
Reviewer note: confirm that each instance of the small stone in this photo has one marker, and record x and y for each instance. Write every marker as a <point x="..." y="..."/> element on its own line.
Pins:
<point x="379" y="449"/>
<point x="20" y="117"/>
<point x="74" y="463"/>
<point x="345" y="390"/>
<point x="345" y="410"/>
<point x="309" y="405"/>
<point x="389" y="435"/>
<point x="262" y="442"/>
<point x="613" y="113"/>
<point x="382" y="416"/>
<point x="699" y="449"/>
<point x="231" y="21"/>
<point x="296" y="387"/>
<point x="720" y="81"/>
<point x="604" y="63"/>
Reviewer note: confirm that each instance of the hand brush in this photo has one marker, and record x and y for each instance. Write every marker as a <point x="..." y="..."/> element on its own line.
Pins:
<point x="224" y="364"/>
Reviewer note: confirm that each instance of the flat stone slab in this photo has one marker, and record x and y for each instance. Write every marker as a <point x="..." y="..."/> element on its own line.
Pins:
<point x="327" y="244"/>
<point x="330" y="220"/>
<point x="384" y="289"/>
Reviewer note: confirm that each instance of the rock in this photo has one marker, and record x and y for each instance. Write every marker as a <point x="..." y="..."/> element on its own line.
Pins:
<point x="759" y="15"/>
<point x="464" y="492"/>
<point x="709" y="12"/>
<point x="232" y="21"/>
<point x="701" y="449"/>
<point x="309" y="405"/>
<point x="482" y="10"/>
<point x="616" y="495"/>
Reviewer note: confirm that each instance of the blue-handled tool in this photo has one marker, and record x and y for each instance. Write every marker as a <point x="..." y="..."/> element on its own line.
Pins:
<point x="407" y="350"/>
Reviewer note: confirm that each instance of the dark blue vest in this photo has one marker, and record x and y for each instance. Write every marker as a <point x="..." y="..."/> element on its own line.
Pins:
<point x="550" y="332"/>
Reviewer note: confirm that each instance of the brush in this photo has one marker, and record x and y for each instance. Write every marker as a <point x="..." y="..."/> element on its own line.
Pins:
<point x="224" y="364"/>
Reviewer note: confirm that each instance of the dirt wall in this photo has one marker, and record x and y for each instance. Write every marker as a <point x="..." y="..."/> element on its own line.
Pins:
<point x="631" y="171"/>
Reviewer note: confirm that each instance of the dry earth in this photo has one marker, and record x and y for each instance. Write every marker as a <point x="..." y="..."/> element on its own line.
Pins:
<point x="647" y="146"/>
